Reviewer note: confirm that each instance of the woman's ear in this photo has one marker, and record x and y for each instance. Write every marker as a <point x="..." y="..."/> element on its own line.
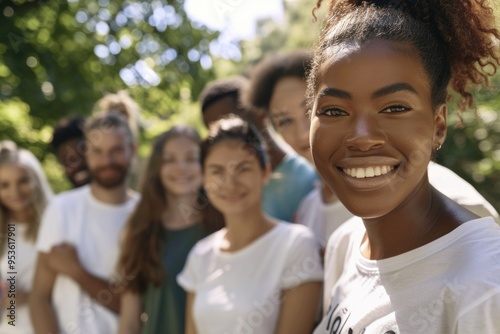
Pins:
<point x="440" y="126"/>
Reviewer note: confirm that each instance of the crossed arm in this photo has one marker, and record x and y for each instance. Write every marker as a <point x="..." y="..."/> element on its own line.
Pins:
<point x="43" y="315"/>
<point x="63" y="259"/>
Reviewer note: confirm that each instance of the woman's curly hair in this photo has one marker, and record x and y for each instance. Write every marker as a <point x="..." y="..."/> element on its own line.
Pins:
<point x="457" y="41"/>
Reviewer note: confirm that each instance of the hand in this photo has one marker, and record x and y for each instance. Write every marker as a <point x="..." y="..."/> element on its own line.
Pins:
<point x="63" y="259"/>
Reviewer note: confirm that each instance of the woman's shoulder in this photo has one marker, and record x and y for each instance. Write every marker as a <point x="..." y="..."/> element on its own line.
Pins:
<point x="207" y="244"/>
<point x="291" y="233"/>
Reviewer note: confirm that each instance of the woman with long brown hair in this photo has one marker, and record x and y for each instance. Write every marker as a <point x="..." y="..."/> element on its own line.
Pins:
<point x="24" y="193"/>
<point x="167" y="222"/>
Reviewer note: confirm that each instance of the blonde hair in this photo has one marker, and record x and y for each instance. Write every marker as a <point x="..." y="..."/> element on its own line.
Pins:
<point x="120" y="104"/>
<point x="10" y="154"/>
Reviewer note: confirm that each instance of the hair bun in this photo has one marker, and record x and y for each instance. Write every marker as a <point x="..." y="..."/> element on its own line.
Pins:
<point x="7" y="147"/>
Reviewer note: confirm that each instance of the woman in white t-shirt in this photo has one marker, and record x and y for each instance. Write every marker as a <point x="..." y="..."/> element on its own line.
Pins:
<point x="414" y="261"/>
<point x="24" y="193"/>
<point x="257" y="274"/>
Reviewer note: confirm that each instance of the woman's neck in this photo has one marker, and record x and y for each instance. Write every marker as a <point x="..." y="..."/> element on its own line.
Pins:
<point x="242" y="230"/>
<point x="276" y="148"/>
<point x="182" y="212"/>
<point x="21" y="216"/>
<point x="415" y="223"/>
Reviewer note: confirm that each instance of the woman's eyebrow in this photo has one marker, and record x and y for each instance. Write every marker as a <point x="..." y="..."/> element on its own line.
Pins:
<point x="397" y="87"/>
<point x="390" y="89"/>
<point x="334" y="92"/>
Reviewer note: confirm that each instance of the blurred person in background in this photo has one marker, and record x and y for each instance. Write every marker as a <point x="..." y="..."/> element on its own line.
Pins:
<point x="78" y="243"/>
<point x="257" y="274"/>
<point x="278" y="85"/>
<point x="24" y="194"/>
<point x="159" y="234"/>
<point x="292" y="177"/>
<point x="121" y="104"/>
<point x="68" y="144"/>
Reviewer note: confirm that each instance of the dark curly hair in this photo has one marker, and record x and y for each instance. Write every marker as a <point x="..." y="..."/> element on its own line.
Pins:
<point x="217" y="89"/>
<point x="268" y="72"/>
<point x="234" y="127"/>
<point x="456" y="41"/>
<point x="66" y="129"/>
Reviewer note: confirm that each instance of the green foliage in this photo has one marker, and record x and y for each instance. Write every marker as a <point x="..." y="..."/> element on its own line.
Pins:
<point x="58" y="57"/>
<point x="298" y="31"/>
<point x="472" y="150"/>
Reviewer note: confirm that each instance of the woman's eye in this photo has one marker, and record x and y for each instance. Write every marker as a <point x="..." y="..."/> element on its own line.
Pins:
<point x="24" y="181"/>
<point x="332" y="112"/>
<point x="243" y="169"/>
<point x="283" y="122"/>
<point x="396" y="109"/>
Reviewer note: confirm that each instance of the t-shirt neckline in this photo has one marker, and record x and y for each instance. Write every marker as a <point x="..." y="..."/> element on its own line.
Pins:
<point x="246" y="249"/>
<point x="104" y="205"/>
<point x="403" y="260"/>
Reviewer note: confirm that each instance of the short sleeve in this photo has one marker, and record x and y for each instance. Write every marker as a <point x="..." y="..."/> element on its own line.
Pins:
<point x="52" y="228"/>
<point x="188" y="278"/>
<point x="483" y="318"/>
<point x="336" y="252"/>
<point x="303" y="262"/>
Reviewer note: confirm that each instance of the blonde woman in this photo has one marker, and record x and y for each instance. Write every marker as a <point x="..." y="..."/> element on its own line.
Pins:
<point x="24" y="193"/>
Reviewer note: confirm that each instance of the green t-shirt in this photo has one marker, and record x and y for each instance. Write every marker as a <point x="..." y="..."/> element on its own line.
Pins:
<point x="165" y="306"/>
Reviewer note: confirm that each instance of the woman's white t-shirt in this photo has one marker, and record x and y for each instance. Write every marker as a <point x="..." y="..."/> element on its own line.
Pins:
<point x="240" y="292"/>
<point x="322" y="218"/>
<point x="450" y="285"/>
<point x="24" y="267"/>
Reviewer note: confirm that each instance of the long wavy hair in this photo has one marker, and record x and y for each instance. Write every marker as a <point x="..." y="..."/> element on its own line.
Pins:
<point x="11" y="155"/>
<point x="144" y="234"/>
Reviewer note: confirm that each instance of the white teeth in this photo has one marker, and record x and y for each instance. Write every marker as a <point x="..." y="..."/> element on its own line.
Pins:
<point x="370" y="172"/>
<point x="361" y="173"/>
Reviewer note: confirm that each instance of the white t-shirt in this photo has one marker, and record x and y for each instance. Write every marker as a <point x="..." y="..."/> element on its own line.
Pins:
<point x="24" y="268"/>
<point x="450" y="285"/>
<point x="459" y="190"/>
<point x="94" y="228"/>
<point x="322" y="218"/>
<point x="240" y="292"/>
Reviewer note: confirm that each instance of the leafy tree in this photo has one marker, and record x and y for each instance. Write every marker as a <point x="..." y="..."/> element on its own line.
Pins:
<point x="58" y="57"/>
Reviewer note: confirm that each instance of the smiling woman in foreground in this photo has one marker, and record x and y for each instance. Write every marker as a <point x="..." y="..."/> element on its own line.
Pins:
<point x="417" y="262"/>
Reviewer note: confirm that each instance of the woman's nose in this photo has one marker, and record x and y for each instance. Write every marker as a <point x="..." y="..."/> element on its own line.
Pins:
<point x="365" y="134"/>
